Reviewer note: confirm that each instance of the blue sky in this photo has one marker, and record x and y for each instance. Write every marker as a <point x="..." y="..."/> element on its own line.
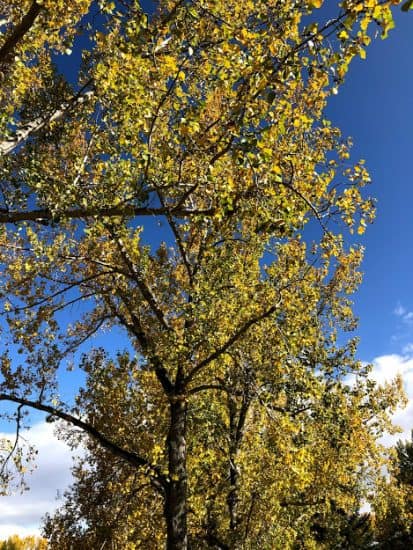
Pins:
<point x="375" y="108"/>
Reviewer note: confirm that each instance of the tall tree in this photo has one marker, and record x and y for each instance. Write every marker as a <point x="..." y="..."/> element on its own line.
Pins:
<point x="394" y="501"/>
<point x="206" y="118"/>
<point x="290" y="476"/>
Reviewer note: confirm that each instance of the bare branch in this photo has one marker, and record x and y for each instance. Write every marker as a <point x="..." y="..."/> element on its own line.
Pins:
<point x="58" y="293"/>
<point x="93" y="330"/>
<point x="16" y="439"/>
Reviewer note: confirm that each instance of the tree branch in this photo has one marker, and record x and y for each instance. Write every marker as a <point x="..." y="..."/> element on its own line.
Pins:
<point x="19" y="31"/>
<point x="58" y="293"/>
<point x="222" y="349"/>
<point x="42" y="215"/>
<point x="16" y="439"/>
<point x="132" y="458"/>
<point x="143" y="287"/>
<point x="206" y="387"/>
<point x="177" y="235"/>
<point x="135" y="327"/>
<point x="25" y="131"/>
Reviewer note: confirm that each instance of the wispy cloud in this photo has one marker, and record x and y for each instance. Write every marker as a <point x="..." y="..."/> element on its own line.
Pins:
<point x="399" y="310"/>
<point x="21" y="513"/>
<point x="404" y="314"/>
<point x="404" y="327"/>
<point x="408" y="349"/>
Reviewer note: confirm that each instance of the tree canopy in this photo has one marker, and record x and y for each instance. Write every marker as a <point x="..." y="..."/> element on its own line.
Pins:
<point x="185" y="188"/>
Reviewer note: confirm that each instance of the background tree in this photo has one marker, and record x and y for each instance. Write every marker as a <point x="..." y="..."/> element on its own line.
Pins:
<point x="206" y="118"/>
<point x="340" y="530"/>
<point x="26" y="543"/>
<point x="394" y="502"/>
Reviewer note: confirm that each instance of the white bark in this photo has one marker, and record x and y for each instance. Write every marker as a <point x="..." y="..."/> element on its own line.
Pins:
<point x="7" y="146"/>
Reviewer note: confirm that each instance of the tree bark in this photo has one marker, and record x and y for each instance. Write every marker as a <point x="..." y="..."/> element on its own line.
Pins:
<point x="6" y="51"/>
<point x="232" y="498"/>
<point x="176" y="493"/>
<point x="237" y="418"/>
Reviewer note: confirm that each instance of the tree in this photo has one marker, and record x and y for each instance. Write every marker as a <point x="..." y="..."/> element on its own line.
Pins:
<point x="307" y="505"/>
<point x="27" y="543"/>
<point x="207" y="118"/>
<point x="342" y="531"/>
<point x="394" y="502"/>
<point x="404" y="473"/>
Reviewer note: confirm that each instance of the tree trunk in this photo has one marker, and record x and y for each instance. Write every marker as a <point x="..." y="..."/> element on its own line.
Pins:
<point x="176" y="494"/>
<point x="232" y="498"/>
<point x="237" y="418"/>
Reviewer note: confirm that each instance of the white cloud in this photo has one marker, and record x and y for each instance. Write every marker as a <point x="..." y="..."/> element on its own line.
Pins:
<point x="21" y="513"/>
<point x="385" y="368"/>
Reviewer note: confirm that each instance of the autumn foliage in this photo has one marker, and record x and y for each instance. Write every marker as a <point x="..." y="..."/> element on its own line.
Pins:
<point x="184" y="189"/>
